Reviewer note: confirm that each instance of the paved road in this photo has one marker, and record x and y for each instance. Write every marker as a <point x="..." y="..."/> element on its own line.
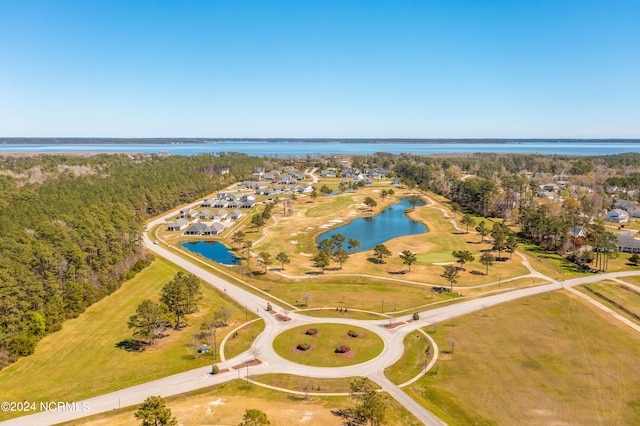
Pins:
<point x="273" y="363"/>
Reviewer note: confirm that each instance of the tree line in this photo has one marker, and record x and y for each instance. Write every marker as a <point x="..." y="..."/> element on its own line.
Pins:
<point x="69" y="239"/>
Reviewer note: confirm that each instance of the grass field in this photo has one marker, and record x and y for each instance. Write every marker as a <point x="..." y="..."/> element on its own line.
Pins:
<point x="542" y="360"/>
<point x="363" y="348"/>
<point x="332" y="313"/>
<point x="306" y="384"/>
<point x="616" y="296"/>
<point x="413" y="360"/>
<point x="83" y="359"/>
<point x="225" y="404"/>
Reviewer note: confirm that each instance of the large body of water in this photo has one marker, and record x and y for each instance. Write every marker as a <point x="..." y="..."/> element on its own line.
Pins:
<point x="299" y="149"/>
<point x="371" y="231"/>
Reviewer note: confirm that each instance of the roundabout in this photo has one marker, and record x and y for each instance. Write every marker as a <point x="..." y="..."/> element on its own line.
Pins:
<point x="328" y="345"/>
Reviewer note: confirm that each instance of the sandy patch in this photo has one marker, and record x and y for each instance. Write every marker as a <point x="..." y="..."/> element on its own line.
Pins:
<point x="306" y="417"/>
<point x="293" y="242"/>
<point x="212" y="405"/>
<point x="305" y="254"/>
<point x="336" y="221"/>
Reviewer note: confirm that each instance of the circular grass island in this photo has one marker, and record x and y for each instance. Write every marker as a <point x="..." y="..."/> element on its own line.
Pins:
<point x="323" y="345"/>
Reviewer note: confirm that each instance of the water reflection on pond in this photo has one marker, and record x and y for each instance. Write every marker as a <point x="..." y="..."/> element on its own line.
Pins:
<point x="213" y="250"/>
<point x="371" y="231"/>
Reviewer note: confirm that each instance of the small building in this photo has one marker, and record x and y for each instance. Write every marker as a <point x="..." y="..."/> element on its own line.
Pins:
<point x="215" y="228"/>
<point x="188" y="213"/>
<point x="247" y="205"/>
<point x="624" y="205"/>
<point x="204" y="214"/>
<point x="196" y="229"/>
<point x="577" y="232"/>
<point x="236" y="214"/>
<point x="220" y="204"/>
<point x="395" y="181"/>
<point x="178" y="225"/>
<point x="233" y="204"/>
<point x="617" y="216"/>
<point x="220" y="215"/>
<point x="207" y="202"/>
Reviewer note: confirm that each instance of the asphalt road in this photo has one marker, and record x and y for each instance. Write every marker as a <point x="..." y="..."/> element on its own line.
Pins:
<point x="273" y="363"/>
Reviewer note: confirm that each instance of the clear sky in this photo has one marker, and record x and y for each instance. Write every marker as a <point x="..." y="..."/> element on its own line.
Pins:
<point x="320" y="68"/>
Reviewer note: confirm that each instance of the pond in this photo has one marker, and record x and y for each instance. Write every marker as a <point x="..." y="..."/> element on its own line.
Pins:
<point x="389" y="224"/>
<point x="213" y="250"/>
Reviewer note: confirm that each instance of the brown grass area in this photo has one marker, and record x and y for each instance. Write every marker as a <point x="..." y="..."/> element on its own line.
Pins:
<point x="225" y="404"/>
<point x="542" y="360"/>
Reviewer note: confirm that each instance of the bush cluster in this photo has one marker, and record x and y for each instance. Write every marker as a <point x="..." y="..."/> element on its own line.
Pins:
<point x="352" y="333"/>
<point x="215" y="369"/>
<point x="303" y="346"/>
<point x="342" y="349"/>
<point x="416" y="316"/>
<point x="312" y="331"/>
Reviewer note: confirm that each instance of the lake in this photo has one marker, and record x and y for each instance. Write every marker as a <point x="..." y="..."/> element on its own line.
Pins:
<point x="303" y="148"/>
<point x="371" y="231"/>
<point x="215" y="251"/>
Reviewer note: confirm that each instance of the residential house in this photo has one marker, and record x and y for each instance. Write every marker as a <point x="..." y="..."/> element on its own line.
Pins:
<point x="178" y="225"/>
<point x="220" y="215"/>
<point x="624" y="205"/>
<point x="204" y="214"/>
<point x="236" y="214"/>
<point x="188" y="213"/>
<point x="233" y="204"/>
<point x="220" y="204"/>
<point x="248" y="197"/>
<point x="396" y="181"/>
<point x="247" y="204"/>
<point x="617" y="216"/>
<point x="635" y="213"/>
<point x="215" y="228"/>
<point x="628" y="243"/>
<point x="207" y="202"/>
<point x="577" y="232"/>
<point x="195" y="229"/>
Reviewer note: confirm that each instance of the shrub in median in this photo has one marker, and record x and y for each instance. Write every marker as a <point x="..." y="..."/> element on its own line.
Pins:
<point x="416" y="316"/>
<point x="342" y="349"/>
<point x="352" y="333"/>
<point x="303" y="346"/>
<point x="312" y="331"/>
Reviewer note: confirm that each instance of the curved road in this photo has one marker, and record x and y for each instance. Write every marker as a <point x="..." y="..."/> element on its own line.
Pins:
<point x="273" y="363"/>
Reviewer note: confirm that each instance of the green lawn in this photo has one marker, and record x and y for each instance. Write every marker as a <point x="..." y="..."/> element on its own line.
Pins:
<point x="363" y="348"/>
<point x="413" y="360"/>
<point x="83" y="359"/>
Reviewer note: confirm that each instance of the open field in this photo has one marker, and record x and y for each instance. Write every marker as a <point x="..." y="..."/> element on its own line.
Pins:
<point x="333" y="313"/>
<point x="543" y="360"/>
<point x="225" y="404"/>
<point x="83" y="359"/>
<point x="363" y="347"/>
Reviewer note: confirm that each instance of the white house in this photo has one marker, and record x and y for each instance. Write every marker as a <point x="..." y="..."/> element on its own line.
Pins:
<point x="178" y="225"/>
<point x="617" y="216"/>
<point x="628" y="243"/>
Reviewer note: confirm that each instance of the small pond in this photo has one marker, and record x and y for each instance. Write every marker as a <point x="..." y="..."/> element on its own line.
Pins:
<point x="371" y="231"/>
<point x="213" y="250"/>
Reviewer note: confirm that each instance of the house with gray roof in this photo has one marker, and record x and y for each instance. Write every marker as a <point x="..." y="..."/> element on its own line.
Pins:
<point x="236" y="214"/>
<point x="628" y="243"/>
<point x="617" y="216"/>
<point x="220" y="215"/>
<point x="215" y="228"/>
<point x="178" y="225"/>
<point x="195" y="229"/>
<point x="204" y="214"/>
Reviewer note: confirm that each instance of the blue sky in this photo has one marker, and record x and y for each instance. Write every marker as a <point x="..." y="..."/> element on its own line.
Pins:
<point x="311" y="68"/>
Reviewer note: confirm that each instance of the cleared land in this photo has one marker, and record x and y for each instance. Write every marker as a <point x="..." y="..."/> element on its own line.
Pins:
<point x="543" y="360"/>
<point x="89" y="356"/>
<point x="225" y="405"/>
<point x="321" y="352"/>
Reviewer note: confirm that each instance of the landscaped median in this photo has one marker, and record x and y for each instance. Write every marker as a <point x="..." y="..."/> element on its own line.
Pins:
<point x="328" y="345"/>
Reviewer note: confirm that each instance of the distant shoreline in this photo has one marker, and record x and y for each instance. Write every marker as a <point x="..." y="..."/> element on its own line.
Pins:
<point x="182" y="141"/>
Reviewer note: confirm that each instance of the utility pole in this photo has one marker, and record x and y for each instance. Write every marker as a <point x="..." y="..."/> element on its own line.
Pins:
<point x="245" y="313"/>
<point x="215" y="352"/>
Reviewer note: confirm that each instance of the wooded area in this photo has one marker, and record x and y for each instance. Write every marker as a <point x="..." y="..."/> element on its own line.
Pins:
<point x="73" y="235"/>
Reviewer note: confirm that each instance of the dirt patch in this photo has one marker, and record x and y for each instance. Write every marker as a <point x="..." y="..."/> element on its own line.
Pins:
<point x="395" y="324"/>
<point x="251" y="363"/>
